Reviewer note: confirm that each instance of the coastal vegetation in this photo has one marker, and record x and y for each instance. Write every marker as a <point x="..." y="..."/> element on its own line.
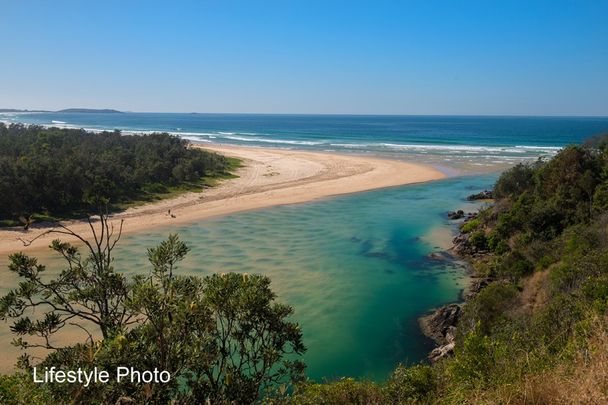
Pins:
<point x="533" y="329"/>
<point x="52" y="173"/>
<point x="221" y="338"/>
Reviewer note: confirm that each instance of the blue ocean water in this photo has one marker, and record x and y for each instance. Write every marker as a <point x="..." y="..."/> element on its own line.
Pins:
<point x="493" y="139"/>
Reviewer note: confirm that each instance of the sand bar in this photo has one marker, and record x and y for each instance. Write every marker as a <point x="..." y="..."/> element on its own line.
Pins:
<point x="269" y="177"/>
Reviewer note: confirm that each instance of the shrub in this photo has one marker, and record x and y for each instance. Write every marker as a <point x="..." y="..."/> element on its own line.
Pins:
<point x="344" y="391"/>
<point x="488" y="308"/>
<point x="478" y="240"/>
<point x="471" y="225"/>
<point x="515" y="266"/>
<point x="20" y="389"/>
<point x="411" y="384"/>
<point x="515" y="181"/>
<point x="477" y="359"/>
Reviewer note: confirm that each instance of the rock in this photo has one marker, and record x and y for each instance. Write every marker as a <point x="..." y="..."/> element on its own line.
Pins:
<point x="484" y="195"/>
<point x="439" y="256"/>
<point x="455" y="214"/>
<point x="441" y="327"/>
<point x="441" y="352"/>
<point x="476" y="286"/>
<point x="462" y="247"/>
<point x="441" y="324"/>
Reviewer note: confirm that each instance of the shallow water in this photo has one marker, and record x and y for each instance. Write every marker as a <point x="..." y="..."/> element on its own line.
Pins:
<point x="353" y="267"/>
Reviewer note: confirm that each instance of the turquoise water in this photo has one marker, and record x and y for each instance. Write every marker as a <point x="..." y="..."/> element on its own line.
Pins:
<point x="353" y="267"/>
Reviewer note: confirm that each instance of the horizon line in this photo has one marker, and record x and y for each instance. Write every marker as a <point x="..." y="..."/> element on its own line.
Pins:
<point x="494" y="115"/>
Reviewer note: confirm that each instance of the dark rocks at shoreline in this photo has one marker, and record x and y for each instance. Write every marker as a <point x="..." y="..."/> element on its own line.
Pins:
<point x="439" y="324"/>
<point x="477" y="284"/>
<point x="462" y="246"/>
<point x="441" y="256"/>
<point x="455" y="214"/>
<point x="484" y="195"/>
<point x="441" y="327"/>
<point x="470" y="216"/>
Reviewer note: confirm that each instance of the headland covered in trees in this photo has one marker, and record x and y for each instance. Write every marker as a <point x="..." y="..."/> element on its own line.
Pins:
<point x="53" y="173"/>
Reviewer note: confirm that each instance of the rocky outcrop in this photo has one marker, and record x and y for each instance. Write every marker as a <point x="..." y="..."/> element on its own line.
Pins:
<point x="441" y="324"/>
<point x="441" y="327"/>
<point x="462" y="246"/>
<point x="477" y="284"/>
<point x="441" y="256"/>
<point x="438" y="324"/>
<point x="441" y="352"/>
<point x="484" y="195"/>
<point x="455" y="214"/>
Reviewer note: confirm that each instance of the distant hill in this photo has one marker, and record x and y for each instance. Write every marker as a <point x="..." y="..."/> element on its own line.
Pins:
<point x="90" y="110"/>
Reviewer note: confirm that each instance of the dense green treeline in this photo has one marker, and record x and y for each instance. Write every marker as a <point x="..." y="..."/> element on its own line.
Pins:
<point x="64" y="172"/>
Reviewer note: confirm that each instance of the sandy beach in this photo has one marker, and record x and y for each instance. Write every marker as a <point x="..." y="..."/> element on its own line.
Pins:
<point x="269" y="177"/>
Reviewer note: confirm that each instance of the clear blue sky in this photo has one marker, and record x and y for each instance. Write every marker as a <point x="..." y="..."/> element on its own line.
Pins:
<point x="375" y="57"/>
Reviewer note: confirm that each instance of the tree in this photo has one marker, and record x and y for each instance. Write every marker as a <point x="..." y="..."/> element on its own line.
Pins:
<point x="88" y="291"/>
<point x="222" y="338"/>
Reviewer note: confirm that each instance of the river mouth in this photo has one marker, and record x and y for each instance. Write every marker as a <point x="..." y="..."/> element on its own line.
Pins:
<point x="355" y="268"/>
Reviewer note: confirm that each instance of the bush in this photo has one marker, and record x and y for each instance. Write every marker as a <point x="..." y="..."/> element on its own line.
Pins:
<point x="477" y="359"/>
<point x="20" y="389"/>
<point x="515" y="181"/>
<point x="344" y="391"/>
<point x="478" y="240"/>
<point x="470" y="226"/>
<point x="488" y="308"/>
<point x="515" y="266"/>
<point x="411" y="384"/>
<point x="497" y="244"/>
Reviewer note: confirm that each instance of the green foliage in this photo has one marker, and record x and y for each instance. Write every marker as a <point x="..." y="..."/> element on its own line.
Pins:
<point x="600" y="198"/>
<point x="496" y="243"/>
<point x="411" y="384"/>
<point x="478" y="240"/>
<point x="222" y="338"/>
<point x="514" y="265"/>
<point x="488" y="308"/>
<point x="477" y="359"/>
<point x="19" y="388"/>
<point x="62" y="172"/>
<point x="515" y="181"/>
<point x="87" y="290"/>
<point x="471" y="225"/>
<point x="344" y="391"/>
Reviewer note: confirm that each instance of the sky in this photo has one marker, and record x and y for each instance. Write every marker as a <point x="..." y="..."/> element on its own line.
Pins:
<point x="330" y="57"/>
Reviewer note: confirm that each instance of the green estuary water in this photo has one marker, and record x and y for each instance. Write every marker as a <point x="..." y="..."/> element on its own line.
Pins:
<point x="355" y="268"/>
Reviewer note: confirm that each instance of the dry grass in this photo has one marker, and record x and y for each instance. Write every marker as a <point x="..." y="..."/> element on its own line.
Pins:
<point x="534" y="293"/>
<point x="584" y="381"/>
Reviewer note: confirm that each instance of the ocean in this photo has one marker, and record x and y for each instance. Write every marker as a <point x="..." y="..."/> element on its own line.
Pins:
<point x="356" y="268"/>
<point x="441" y="140"/>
